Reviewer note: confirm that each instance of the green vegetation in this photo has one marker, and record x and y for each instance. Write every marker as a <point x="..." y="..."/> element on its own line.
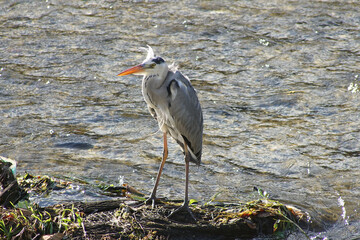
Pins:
<point x="31" y="222"/>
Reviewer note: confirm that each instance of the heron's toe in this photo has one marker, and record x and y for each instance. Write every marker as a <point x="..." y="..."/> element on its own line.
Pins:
<point x="188" y="216"/>
<point x="151" y="201"/>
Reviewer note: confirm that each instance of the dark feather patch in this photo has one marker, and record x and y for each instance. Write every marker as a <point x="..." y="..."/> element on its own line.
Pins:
<point x="158" y="60"/>
<point x="187" y="141"/>
<point x="198" y="155"/>
<point x="168" y="88"/>
<point x="152" y="112"/>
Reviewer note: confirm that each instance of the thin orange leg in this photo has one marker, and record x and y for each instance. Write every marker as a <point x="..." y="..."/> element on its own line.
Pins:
<point x="187" y="163"/>
<point x="185" y="205"/>
<point x="152" y="197"/>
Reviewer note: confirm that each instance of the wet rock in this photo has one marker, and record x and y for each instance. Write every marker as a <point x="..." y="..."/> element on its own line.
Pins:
<point x="10" y="192"/>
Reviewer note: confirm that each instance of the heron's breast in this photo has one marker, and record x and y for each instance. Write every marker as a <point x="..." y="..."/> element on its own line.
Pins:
<point x="167" y="123"/>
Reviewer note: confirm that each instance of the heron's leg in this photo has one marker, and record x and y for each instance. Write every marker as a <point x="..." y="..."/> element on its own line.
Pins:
<point x="187" y="163"/>
<point x="185" y="205"/>
<point x="152" y="197"/>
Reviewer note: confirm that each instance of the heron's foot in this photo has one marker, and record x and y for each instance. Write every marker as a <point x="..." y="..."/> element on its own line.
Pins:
<point x="183" y="209"/>
<point x="151" y="200"/>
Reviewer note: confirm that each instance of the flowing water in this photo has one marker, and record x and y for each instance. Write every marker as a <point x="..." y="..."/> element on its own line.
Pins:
<point x="276" y="80"/>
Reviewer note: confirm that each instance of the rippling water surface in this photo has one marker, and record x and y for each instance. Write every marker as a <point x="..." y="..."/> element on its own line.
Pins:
<point x="272" y="78"/>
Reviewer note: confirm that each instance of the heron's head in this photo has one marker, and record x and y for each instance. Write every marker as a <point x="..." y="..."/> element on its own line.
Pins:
<point x="150" y="66"/>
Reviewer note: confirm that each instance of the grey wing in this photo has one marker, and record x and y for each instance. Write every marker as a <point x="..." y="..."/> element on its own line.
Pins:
<point x="185" y="109"/>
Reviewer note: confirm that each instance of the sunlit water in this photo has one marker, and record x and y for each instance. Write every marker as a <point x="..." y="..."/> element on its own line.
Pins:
<point x="272" y="78"/>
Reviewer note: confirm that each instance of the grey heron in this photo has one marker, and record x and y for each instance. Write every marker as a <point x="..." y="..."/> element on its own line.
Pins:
<point x="173" y="102"/>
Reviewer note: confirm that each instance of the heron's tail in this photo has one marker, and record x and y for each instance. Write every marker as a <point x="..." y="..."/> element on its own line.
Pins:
<point x="194" y="157"/>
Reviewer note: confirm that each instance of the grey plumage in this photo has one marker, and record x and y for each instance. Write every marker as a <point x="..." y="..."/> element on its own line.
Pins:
<point x="174" y="104"/>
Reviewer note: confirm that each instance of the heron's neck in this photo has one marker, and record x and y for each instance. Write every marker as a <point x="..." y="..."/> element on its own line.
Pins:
<point x="154" y="80"/>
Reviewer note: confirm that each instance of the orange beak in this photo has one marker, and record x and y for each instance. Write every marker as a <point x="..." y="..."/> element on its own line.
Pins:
<point x="131" y="70"/>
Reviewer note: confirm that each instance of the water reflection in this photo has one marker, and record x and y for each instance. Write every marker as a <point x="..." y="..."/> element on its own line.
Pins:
<point x="272" y="78"/>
